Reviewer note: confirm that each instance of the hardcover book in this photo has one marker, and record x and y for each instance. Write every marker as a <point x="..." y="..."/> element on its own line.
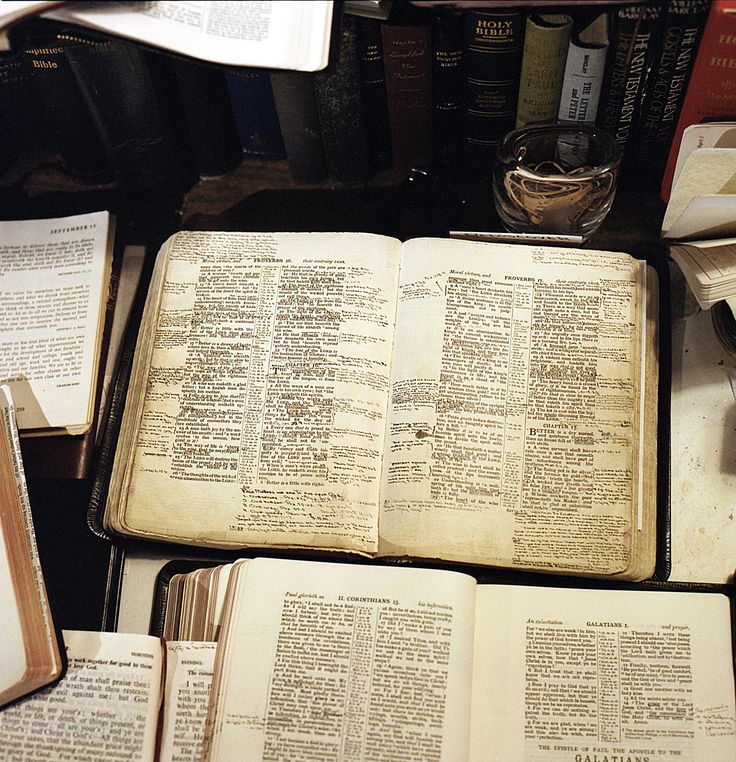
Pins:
<point x="546" y="41"/>
<point x="447" y="87"/>
<point x="128" y="92"/>
<point x="676" y="49"/>
<point x="494" y="44"/>
<point x="345" y="392"/>
<point x="33" y="654"/>
<point x="373" y="91"/>
<point x="585" y="67"/>
<point x="708" y="92"/>
<point x="254" y="110"/>
<point x="298" y="115"/>
<point x="407" y="60"/>
<point x="67" y="117"/>
<point x="635" y="32"/>
<point x="340" y="108"/>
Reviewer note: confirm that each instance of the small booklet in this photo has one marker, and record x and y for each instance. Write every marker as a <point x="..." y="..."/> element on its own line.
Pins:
<point x="345" y="392"/>
<point x="54" y="285"/>
<point x="32" y="656"/>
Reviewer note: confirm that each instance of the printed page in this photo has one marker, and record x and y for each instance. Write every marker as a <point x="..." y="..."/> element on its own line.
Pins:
<point x="498" y="398"/>
<point x="259" y="411"/>
<point x="283" y="34"/>
<point x="338" y="661"/>
<point x="105" y="708"/>
<point x="54" y="276"/>
<point x="188" y="680"/>
<point x="591" y="675"/>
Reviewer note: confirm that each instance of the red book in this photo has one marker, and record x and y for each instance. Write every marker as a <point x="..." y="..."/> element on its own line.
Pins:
<point x="711" y="91"/>
<point x="407" y="60"/>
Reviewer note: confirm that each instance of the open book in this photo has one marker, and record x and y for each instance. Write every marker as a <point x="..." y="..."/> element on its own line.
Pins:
<point x="339" y="661"/>
<point x="284" y="34"/>
<point x="53" y="289"/>
<point x="445" y="399"/>
<point x="31" y="656"/>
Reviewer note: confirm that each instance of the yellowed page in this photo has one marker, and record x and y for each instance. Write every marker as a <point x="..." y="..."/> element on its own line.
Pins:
<point x="105" y="708"/>
<point x="54" y="277"/>
<point x="339" y="661"/>
<point x="513" y="430"/>
<point x="592" y="675"/>
<point x="257" y="409"/>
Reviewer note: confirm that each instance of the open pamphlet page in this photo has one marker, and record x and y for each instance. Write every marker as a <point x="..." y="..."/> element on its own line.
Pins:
<point x="282" y="35"/>
<point x="320" y="661"/>
<point x="31" y="653"/>
<point x="54" y="286"/>
<point x="345" y="392"/>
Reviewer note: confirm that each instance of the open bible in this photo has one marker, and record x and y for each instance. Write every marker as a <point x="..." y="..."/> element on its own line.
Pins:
<point x="322" y="661"/>
<point x="471" y="402"/>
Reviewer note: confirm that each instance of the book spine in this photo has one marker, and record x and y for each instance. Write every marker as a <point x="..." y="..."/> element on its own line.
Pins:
<point x="68" y="118"/>
<point x="136" y="128"/>
<point x="251" y="100"/>
<point x="546" y="41"/>
<point x="207" y="117"/>
<point x="447" y="87"/>
<point x="373" y="90"/>
<point x="340" y="107"/>
<point x="296" y="106"/>
<point x="683" y="25"/>
<point x="408" y="65"/>
<point x="494" y="45"/>
<point x="584" y="70"/>
<point x="709" y="90"/>
<point x="21" y="107"/>
<point x="10" y="151"/>
<point x="630" y="60"/>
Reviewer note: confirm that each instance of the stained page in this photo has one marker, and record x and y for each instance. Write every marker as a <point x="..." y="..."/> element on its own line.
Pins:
<point x="589" y="675"/>
<point x="256" y="413"/>
<point x="514" y="434"/>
